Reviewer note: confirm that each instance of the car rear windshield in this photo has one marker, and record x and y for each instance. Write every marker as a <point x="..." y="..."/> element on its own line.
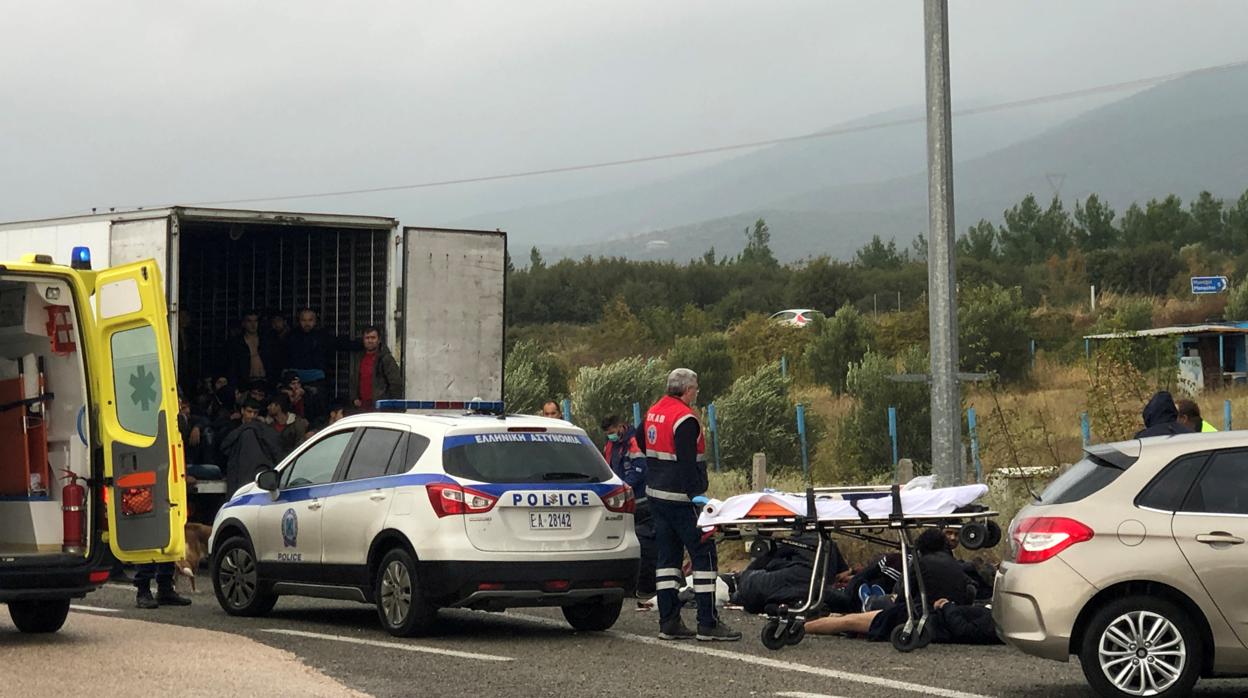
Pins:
<point x="1084" y="478"/>
<point x="523" y="457"/>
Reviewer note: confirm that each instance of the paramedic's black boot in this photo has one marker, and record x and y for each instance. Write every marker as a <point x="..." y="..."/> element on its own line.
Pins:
<point x="169" y="597"/>
<point x="675" y="629"/>
<point x="718" y="633"/>
<point x="143" y="599"/>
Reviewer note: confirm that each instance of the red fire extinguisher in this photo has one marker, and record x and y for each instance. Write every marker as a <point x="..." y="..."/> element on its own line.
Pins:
<point x="73" y="514"/>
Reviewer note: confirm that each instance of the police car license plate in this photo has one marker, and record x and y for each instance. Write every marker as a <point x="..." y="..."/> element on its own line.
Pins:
<point x="550" y="520"/>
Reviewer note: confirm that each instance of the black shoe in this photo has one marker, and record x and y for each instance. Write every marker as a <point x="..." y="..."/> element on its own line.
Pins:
<point x="675" y="629"/>
<point x="144" y="599"/>
<point x="171" y="598"/>
<point x="718" y="633"/>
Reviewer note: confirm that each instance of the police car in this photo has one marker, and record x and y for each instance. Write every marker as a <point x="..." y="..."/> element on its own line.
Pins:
<point x="444" y="506"/>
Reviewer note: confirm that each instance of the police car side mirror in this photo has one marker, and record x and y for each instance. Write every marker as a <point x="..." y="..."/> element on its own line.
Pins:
<point x="268" y="479"/>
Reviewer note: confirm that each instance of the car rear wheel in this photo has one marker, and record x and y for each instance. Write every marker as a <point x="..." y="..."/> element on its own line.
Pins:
<point x="39" y="616"/>
<point x="594" y="616"/>
<point x="401" y="604"/>
<point x="236" y="580"/>
<point x="1141" y="646"/>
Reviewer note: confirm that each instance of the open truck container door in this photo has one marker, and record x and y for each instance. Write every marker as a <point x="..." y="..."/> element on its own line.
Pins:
<point x="453" y="295"/>
<point x="143" y="469"/>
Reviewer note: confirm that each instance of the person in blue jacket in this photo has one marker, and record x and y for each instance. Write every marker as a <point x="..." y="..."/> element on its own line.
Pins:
<point x="626" y="456"/>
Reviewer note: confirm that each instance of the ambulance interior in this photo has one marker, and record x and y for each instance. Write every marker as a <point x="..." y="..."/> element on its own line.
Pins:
<point x="43" y="424"/>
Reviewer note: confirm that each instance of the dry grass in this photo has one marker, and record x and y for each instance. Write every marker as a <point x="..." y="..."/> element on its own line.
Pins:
<point x="1034" y="425"/>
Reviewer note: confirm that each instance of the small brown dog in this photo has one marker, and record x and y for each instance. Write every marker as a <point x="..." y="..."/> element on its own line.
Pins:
<point x="196" y="550"/>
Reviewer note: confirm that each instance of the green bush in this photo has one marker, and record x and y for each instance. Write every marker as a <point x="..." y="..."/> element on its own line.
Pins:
<point x="757" y="415"/>
<point x="1237" y="302"/>
<point x="756" y="341"/>
<point x="707" y="355"/>
<point x="863" y="441"/>
<point x="993" y="332"/>
<point x="839" y="341"/>
<point x="531" y="377"/>
<point x="613" y="388"/>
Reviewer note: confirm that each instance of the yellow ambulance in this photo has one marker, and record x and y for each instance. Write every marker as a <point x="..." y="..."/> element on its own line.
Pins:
<point x="90" y="455"/>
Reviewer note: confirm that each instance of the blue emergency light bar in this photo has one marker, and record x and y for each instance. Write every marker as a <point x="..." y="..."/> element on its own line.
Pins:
<point x="80" y="258"/>
<point x="484" y="406"/>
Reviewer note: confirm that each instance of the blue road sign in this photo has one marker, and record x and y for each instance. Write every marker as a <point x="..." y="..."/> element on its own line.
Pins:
<point x="1209" y="284"/>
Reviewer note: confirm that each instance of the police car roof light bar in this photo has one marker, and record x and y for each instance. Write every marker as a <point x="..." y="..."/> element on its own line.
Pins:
<point x="478" y="406"/>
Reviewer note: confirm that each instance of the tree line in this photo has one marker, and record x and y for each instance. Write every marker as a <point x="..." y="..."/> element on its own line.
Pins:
<point x="1050" y="253"/>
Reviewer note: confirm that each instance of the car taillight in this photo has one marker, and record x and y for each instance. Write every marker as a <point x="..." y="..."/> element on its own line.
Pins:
<point x="1039" y="538"/>
<point x="453" y="500"/>
<point x="620" y="500"/>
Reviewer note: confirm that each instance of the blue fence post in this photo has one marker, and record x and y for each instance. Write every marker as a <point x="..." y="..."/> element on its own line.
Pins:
<point x="784" y="367"/>
<point x="1033" y="354"/>
<point x="801" y="434"/>
<point x="567" y="410"/>
<point x="1226" y="416"/>
<point x="1086" y="427"/>
<point x="892" y="435"/>
<point x="1087" y="348"/>
<point x="710" y="416"/>
<point x="971" y="427"/>
<point x="636" y="415"/>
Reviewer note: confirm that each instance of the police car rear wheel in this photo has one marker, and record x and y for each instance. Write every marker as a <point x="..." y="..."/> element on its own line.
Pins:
<point x="236" y="580"/>
<point x="39" y="616"/>
<point x="595" y="616"/>
<point x="400" y="603"/>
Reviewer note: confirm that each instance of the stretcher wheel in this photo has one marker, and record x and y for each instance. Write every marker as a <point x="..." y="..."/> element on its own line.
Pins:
<point x="773" y="638"/>
<point x="760" y="547"/>
<point x="994" y="534"/>
<point x="973" y="536"/>
<point x="904" y="641"/>
<point x="795" y="632"/>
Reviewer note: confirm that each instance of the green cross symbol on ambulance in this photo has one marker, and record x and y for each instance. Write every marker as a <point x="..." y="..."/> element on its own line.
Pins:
<point x="144" y="385"/>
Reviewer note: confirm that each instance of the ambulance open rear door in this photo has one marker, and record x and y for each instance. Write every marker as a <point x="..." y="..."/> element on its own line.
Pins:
<point x="137" y="406"/>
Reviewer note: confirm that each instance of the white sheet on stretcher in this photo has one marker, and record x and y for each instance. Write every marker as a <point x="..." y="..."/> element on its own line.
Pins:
<point x="832" y="507"/>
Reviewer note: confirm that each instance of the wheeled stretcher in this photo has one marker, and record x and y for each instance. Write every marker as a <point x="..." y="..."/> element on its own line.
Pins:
<point x="887" y="515"/>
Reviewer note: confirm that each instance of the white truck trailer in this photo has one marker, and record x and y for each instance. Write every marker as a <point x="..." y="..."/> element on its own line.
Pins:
<point x="438" y="293"/>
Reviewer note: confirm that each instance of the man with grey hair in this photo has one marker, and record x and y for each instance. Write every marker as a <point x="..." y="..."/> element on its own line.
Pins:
<point x="676" y="487"/>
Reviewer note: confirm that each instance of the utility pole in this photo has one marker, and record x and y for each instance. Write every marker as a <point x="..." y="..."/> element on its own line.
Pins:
<point x="941" y="280"/>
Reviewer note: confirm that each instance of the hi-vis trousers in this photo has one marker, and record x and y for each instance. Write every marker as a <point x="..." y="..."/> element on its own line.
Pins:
<point x="675" y="531"/>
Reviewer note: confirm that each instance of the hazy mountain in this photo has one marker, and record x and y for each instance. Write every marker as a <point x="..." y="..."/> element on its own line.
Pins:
<point x="750" y="181"/>
<point x="1179" y="137"/>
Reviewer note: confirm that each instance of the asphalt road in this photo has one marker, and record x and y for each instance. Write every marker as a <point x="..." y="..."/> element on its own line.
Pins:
<point x="534" y="653"/>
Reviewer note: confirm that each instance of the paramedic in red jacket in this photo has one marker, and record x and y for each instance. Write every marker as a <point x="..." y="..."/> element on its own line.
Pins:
<point x="625" y="453"/>
<point x="676" y="488"/>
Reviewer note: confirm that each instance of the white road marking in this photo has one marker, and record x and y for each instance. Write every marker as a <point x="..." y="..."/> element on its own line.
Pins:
<point x="690" y="647"/>
<point x="799" y="694"/>
<point x="391" y="645"/>
<point x="94" y="609"/>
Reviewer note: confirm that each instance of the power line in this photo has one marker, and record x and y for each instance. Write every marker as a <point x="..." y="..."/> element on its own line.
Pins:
<point x="829" y="133"/>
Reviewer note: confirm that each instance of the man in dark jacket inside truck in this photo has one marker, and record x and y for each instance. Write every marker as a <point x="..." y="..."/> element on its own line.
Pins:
<point x="255" y="354"/>
<point x="310" y="352"/>
<point x="375" y="376"/>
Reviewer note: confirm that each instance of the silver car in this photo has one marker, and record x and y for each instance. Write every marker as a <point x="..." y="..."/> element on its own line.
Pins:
<point x="1134" y="560"/>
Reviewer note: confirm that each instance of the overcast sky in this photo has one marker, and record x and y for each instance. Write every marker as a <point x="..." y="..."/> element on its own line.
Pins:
<point x="170" y="101"/>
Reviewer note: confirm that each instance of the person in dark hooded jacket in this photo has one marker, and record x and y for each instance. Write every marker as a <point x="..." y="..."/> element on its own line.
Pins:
<point x="1161" y="417"/>
<point x="249" y="446"/>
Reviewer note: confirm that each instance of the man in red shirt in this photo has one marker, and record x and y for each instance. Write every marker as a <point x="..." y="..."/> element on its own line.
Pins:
<point x="376" y="375"/>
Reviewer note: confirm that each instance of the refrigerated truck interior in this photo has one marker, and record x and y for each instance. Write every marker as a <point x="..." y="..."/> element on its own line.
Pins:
<point x="437" y="293"/>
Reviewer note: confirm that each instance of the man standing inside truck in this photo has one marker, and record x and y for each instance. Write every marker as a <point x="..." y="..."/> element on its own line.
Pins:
<point x="310" y="351"/>
<point x="376" y="375"/>
<point x="254" y="355"/>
